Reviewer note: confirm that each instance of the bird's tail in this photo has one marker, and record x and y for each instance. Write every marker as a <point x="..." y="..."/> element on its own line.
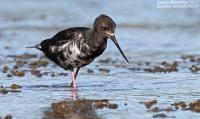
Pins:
<point x="38" y="46"/>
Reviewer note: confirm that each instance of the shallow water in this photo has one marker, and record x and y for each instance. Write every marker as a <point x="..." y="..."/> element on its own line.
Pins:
<point x="145" y="32"/>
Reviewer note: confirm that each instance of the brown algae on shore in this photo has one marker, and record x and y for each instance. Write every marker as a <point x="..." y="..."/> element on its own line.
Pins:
<point x="104" y="71"/>
<point x="23" y="56"/>
<point x="18" y="73"/>
<point x="191" y="58"/>
<point x="163" y="67"/>
<point x="160" y="115"/>
<point x="15" y="86"/>
<point x="181" y="105"/>
<point x="24" y="64"/>
<point x="108" y="60"/>
<point x="149" y="103"/>
<point x="3" y="90"/>
<point x="36" y="73"/>
<point x="90" y="71"/>
<point x="8" y="116"/>
<point x="5" y="69"/>
<point x="195" y="106"/>
<point x="38" y="63"/>
<point x="29" y="63"/>
<point x="83" y="107"/>
<point x="12" y="88"/>
<point x="194" y="69"/>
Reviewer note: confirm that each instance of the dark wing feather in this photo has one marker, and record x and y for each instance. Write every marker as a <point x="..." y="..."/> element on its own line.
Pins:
<point x="63" y="37"/>
<point x="68" y="34"/>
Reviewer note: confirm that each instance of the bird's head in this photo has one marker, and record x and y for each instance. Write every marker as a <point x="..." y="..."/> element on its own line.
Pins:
<point x="105" y="26"/>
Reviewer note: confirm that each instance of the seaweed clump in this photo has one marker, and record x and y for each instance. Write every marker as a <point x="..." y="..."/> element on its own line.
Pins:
<point x="195" y="106"/>
<point x="9" y="116"/>
<point x="83" y="108"/>
<point x="12" y="88"/>
<point x="149" y="103"/>
<point x="181" y="105"/>
<point x="3" y="90"/>
<point x="163" y="67"/>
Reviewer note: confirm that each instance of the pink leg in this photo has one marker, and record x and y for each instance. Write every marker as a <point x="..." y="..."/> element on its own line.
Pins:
<point x="75" y="76"/>
<point x="74" y="95"/>
<point x="73" y="81"/>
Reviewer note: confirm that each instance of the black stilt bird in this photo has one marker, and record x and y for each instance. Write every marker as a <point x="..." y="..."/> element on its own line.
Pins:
<point x="78" y="46"/>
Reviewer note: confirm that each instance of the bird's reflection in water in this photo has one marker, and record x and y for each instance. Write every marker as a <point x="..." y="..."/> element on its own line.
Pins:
<point x="77" y="108"/>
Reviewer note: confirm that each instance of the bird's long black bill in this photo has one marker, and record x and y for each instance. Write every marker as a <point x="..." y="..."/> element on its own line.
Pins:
<point x="35" y="46"/>
<point x="116" y="43"/>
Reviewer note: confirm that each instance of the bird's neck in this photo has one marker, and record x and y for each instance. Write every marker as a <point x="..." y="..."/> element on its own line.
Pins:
<point x="97" y="43"/>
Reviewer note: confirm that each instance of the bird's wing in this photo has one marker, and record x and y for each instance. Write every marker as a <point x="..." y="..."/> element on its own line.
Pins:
<point x="54" y="47"/>
<point x="65" y="36"/>
<point x="69" y="35"/>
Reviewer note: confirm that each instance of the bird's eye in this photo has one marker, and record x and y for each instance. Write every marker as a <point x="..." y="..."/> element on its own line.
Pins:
<point x="105" y="28"/>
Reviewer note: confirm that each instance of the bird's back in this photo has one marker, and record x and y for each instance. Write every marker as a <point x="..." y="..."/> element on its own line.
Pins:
<point x="65" y="36"/>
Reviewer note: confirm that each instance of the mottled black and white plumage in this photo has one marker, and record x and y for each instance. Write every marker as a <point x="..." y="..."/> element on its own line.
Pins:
<point x="73" y="47"/>
<point x="79" y="46"/>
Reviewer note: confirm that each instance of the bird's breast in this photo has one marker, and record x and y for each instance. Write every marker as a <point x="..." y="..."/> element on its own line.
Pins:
<point x="93" y="50"/>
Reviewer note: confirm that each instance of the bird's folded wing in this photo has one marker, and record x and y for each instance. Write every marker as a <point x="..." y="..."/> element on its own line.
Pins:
<point x="68" y="35"/>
